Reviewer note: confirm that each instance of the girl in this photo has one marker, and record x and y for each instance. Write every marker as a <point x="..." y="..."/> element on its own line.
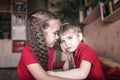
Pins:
<point x="87" y="64"/>
<point x="42" y="29"/>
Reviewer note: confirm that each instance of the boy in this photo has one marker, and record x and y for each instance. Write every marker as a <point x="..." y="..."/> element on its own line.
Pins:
<point x="87" y="64"/>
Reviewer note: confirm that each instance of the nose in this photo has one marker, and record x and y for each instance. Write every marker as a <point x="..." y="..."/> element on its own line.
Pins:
<point x="66" y="43"/>
<point x="57" y="36"/>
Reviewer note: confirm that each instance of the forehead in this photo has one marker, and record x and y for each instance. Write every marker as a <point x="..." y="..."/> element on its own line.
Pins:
<point x="54" y="25"/>
<point x="67" y="33"/>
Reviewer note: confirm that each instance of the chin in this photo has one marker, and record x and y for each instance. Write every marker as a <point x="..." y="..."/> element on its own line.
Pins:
<point x="51" y="46"/>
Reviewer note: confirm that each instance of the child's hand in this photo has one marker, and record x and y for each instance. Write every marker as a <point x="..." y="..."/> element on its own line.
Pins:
<point x="66" y="65"/>
<point x="63" y="49"/>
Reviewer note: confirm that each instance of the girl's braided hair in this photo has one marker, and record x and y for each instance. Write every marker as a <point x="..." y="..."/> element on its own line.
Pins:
<point x="37" y="21"/>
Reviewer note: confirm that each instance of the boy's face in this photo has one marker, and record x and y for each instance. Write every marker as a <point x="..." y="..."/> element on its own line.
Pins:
<point x="51" y="33"/>
<point x="70" y="40"/>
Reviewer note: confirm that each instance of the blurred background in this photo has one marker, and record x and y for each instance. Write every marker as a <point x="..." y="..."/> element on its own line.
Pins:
<point x="100" y="20"/>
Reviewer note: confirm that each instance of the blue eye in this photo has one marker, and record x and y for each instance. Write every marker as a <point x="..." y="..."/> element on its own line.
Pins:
<point x="70" y="37"/>
<point x="55" y="33"/>
<point x="62" y="41"/>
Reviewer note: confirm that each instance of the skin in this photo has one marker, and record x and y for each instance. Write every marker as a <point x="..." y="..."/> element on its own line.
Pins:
<point x="51" y="37"/>
<point x="70" y="41"/>
<point x="51" y="32"/>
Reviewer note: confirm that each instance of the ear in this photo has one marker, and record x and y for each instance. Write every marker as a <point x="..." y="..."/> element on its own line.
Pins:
<point x="80" y="36"/>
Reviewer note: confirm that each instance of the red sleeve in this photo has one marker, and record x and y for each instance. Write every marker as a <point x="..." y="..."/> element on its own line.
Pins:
<point x="28" y="56"/>
<point x="88" y="55"/>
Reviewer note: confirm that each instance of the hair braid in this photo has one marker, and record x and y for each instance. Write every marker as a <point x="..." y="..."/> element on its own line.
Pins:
<point x="35" y="36"/>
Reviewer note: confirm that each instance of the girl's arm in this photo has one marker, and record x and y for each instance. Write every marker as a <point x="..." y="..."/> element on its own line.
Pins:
<point x="77" y="73"/>
<point x="39" y="74"/>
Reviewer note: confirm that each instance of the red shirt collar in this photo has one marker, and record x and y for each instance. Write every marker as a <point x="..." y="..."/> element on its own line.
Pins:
<point x="79" y="48"/>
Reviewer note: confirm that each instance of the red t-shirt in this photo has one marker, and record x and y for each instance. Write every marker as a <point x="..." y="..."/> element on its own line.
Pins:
<point x="27" y="58"/>
<point x="84" y="52"/>
<point x="50" y="58"/>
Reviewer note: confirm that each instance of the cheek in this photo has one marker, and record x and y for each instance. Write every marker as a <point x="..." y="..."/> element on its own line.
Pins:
<point x="50" y="38"/>
<point x="75" y="42"/>
<point x="47" y="38"/>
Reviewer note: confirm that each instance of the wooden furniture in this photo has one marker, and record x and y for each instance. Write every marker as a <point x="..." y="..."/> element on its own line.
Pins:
<point x="114" y="16"/>
<point x="98" y="11"/>
<point x="18" y="14"/>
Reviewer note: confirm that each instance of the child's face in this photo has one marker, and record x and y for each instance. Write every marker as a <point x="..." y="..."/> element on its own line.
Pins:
<point x="70" y="40"/>
<point x="51" y="33"/>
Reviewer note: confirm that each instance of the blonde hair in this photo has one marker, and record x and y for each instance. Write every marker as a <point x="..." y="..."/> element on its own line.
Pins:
<point x="68" y="27"/>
